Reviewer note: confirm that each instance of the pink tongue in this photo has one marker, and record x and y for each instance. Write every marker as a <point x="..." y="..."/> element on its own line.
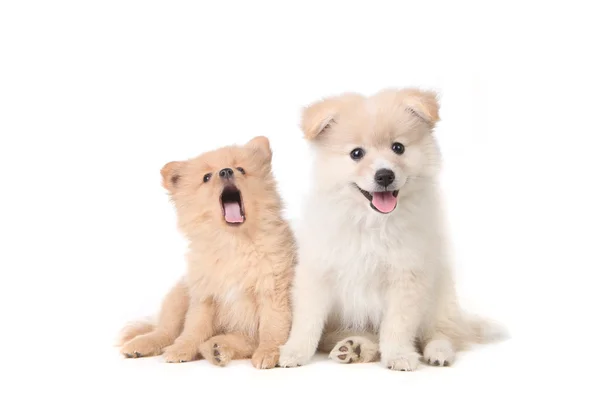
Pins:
<point x="384" y="201"/>
<point x="233" y="213"/>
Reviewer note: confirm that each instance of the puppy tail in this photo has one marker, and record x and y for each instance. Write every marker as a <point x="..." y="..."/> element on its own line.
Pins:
<point x="484" y="330"/>
<point x="134" y="329"/>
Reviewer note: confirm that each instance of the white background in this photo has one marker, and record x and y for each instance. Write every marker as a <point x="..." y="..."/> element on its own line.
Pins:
<point x="96" y="96"/>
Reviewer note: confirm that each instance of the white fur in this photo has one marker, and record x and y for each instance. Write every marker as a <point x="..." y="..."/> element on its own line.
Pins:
<point x="363" y="271"/>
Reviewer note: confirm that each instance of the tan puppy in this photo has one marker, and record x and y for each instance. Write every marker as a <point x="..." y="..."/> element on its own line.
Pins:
<point x="234" y="301"/>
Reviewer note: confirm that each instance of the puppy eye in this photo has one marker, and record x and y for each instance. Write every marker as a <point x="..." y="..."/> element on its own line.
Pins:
<point x="398" y="148"/>
<point x="242" y="171"/>
<point x="357" y="154"/>
<point x="207" y="177"/>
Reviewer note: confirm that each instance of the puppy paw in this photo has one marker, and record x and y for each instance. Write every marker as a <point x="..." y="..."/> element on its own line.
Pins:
<point x="146" y="345"/>
<point x="291" y="356"/>
<point x="217" y="352"/>
<point x="180" y="352"/>
<point x="354" y="350"/>
<point x="403" y="362"/>
<point x="439" y="352"/>
<point x="265" y="358"/>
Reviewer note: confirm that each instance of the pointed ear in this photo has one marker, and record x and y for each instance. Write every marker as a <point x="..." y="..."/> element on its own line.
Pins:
<point x="423" y="104"/>
<point x="261" y="145"/>
<point x="171" y="174"/>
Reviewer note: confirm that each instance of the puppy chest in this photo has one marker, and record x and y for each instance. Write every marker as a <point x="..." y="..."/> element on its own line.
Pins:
<point x="226" y="277"/>
<point x="359" y="301"/>
<point x="236" y="312"/>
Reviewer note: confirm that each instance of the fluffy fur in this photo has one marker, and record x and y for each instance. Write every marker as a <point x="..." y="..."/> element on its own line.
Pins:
<point x="377" y="285"/>
<point x="234" y="300"/>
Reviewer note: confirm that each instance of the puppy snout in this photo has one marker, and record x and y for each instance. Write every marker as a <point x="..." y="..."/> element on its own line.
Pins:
<point x="384" y="177"/>
<point x="226" y="173"/>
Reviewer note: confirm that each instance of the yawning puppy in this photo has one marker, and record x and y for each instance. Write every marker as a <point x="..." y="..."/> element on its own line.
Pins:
<point x="234" y="300"/>
<point x="373" y="272"/>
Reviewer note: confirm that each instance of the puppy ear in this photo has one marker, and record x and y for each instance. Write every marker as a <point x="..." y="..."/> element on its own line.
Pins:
<point x="261" y="145"/>
<point x="171" y="174"/>
<point x="319" y="116"/>
<point x="423" y="104"/>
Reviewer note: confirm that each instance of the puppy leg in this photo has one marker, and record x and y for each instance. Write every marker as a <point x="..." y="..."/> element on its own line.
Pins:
<point x="275" y="314"/>
<point x="447" y="330"/>
<point x="311" y="303"/>
<point x="402" y="316"/>
<point x="198" y="327"/>
<point x="221" y="349"/>
<point x="350" y="349"/>
<point x="151" y="342"/>
<point x="447" y="334"/>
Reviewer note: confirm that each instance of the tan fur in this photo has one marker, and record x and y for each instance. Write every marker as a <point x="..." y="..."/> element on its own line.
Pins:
<point x="133" y="329"/>
<point x="234" y="301"/>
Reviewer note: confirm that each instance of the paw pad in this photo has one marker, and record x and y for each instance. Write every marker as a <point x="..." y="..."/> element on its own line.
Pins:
<point x="346" y="352"/>
<point x="217" y="354"/>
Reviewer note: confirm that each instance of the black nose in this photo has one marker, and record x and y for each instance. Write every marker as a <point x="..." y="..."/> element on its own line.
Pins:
<point x="226" y="173"/>
<point x="384" y="177"/>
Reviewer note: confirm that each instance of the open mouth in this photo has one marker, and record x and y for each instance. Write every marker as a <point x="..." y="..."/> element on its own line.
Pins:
<point x="384" y="202"/>
<point x="232" y="205"/>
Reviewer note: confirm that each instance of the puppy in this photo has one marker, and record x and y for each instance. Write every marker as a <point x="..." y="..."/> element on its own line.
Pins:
<point x="373" y="272"/>
<point x="233" y="303"/>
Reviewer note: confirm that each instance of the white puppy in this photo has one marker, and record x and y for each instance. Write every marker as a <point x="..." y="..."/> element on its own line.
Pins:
<point x="374" y="278"/>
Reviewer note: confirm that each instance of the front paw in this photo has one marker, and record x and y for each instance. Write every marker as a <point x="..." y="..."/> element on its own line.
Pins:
<point x="265" y="358"/>
<point x="180" y="352"/>
<point x="402" y="361"/>
<point x="291" y="356"/>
